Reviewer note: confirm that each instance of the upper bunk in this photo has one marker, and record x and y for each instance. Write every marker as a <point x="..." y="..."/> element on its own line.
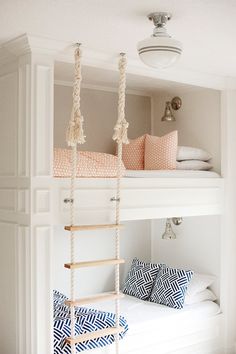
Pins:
<point x="144" y="195"/>
<point x="141" y="198"/>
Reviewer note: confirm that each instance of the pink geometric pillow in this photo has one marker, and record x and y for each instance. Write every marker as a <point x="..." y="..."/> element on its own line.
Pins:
<point x="161" y="152"/>
<point x="133" y="154"/>
<point x="89" y="164"/>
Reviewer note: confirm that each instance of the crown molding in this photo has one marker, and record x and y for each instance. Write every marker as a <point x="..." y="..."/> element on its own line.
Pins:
<point x="177" y="74"/>
<point x="27" y="43"/>
<point x="64" y="51"/>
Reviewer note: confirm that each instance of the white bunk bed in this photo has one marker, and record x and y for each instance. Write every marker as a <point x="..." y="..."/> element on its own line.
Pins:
<point x="141" y="198"/>
<point x="33" y="200"/>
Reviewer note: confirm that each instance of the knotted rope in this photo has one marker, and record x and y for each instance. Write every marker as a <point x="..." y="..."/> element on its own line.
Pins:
<point x="75" y="133"/>
<point x="120" y="136"/>
<point x="121" y="127"/>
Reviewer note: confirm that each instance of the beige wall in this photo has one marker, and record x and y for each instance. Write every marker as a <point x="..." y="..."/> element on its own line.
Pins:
<point x="99" y="109"/>
<point x="198" y="121"/>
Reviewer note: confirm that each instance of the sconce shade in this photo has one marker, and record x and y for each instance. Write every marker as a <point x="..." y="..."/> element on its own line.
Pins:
<point x="169" y="233"/>
<point x="168" y="115"/>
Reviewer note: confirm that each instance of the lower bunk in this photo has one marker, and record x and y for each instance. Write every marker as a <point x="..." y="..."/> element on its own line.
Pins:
<point x="151" y="329"/>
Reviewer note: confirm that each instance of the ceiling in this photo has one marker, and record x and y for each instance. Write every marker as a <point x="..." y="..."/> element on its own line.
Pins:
<point x="206" y="28"/>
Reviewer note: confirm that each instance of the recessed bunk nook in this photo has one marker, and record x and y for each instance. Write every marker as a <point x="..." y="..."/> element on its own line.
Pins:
<point x="145" y="194"/>
<point x="147" y="198"/>
<point x="34" y="204"/>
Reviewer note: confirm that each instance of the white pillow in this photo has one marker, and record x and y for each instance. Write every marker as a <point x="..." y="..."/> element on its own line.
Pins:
<point x="192" y="153"/>
<point x="205" y="295"/>
<point x="196" y="165"/>
<point x="199" y="282"/>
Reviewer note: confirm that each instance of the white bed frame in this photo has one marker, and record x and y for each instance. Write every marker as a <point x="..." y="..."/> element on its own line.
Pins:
<point x="142" y="198"/>
<point x="31" y="200"/>
<point x="202" y="338"/>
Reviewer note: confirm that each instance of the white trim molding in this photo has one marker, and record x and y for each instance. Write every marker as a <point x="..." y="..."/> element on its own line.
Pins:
<point x="64" y="51"/>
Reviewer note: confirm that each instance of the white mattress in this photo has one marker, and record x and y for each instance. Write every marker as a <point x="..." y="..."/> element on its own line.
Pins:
<point x="153" y="325"/>
<point x="170" y="174"/>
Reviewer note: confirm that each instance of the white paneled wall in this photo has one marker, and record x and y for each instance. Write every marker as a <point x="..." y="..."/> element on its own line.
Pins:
<point x="26" y="145"/>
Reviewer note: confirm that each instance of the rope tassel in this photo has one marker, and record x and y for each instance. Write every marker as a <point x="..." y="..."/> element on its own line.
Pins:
<point x="121" y="127"/>
<point x="75" y="132"/>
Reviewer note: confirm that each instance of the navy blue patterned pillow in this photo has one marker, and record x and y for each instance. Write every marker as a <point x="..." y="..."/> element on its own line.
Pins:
<point x="58" y="298"/>
<point x="170" y="287"/>
<point x="140" y="279"/>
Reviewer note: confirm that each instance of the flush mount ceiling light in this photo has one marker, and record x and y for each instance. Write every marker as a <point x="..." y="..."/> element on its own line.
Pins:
<point x="160" y="50"/>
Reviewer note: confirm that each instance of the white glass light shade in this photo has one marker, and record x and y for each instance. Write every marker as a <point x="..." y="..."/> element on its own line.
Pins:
<point x="159" y="52"/>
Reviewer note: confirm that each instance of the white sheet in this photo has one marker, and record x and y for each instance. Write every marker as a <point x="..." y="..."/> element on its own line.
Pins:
<point x="170" y="174"/>
<point x="141" y="314"/>
<point x="153" y="325"/>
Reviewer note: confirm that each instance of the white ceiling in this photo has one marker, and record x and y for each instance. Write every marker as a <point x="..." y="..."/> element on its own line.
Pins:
<point x="206" y="27"/>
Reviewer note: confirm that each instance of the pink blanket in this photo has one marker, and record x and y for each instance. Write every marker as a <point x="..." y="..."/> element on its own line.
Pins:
<point x="90" y="164"/>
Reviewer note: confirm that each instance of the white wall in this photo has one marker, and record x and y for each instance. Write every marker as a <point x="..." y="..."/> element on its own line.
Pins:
<point x="197" y="246"/>
<point x="197" y="121"/>
<point x="99" y="109"/>
<point x="135" y="242"/>
<point x="8" y="210"/>
<point x="8" y="278"/>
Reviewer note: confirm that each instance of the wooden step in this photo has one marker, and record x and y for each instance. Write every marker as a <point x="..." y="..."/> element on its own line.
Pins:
<point x="94" y="335"/>
<point x="97" y="263"/>
<point x="94" y="298"/>
<point x="93" y="227"/>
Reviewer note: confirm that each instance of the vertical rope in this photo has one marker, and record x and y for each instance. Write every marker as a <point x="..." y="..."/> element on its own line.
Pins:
<point x="120" y="135"/>
<point x="75" y="132"/>
<point x="120" y="130"/>
<point x="75" y="135"/>
<point x="72" y="241"/>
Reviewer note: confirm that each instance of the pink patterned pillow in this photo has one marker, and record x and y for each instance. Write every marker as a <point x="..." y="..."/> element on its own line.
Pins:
<point x="90" y="164"/>
<point x="133" y="154"/>
<point x="161" y="152"/>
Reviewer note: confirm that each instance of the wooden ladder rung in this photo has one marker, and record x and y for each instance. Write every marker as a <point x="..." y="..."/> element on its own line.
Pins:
<point x="94" y="335"/>
<point x="97" y="263"/>
<point x="93" y="227"/>
<point x="94" y="298"/>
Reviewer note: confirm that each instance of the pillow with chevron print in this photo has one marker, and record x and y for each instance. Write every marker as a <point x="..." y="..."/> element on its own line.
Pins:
<point x="170" y="287"/>
<point x="140" y="279"/>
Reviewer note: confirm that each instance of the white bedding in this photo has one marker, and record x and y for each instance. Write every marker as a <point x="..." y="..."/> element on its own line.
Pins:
<point x="158" y="326"/>
<point x="170" y="174"/>
<point x="143" y="314"/>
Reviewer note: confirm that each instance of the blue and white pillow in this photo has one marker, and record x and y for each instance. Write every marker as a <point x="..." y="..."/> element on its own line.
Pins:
<point x="140" y="279"/>
<point x="170" y="287"/>
<point x="58" y="300"/>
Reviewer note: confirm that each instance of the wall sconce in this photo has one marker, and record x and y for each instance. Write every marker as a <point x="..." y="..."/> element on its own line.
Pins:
<point x="169" y="233"/>
<point x="175" y="104"/>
